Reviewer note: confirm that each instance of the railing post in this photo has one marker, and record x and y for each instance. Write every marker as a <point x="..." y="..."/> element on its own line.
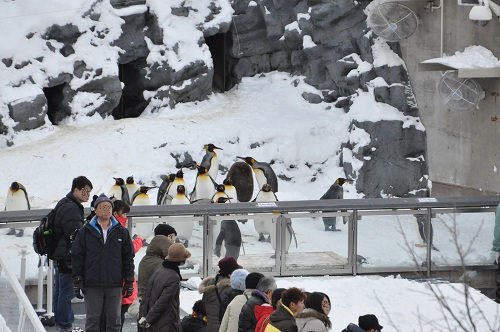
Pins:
<point x="427" y="229"/>
<point x="50" y="284"/>
<point x="279" y="245"/>
<point x="39" y="291"/>
<point x="207" y="245"/>
<point x="22" y="280"/>
<point x="353" y="242"/>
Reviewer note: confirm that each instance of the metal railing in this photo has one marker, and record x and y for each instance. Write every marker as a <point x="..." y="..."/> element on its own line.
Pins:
<point x="26" y="310"/>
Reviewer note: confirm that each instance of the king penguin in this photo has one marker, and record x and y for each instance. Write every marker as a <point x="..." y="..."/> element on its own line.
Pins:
<point x="17" y="199"/>
<point x="184" y="228"/>
<point x="264" y="226"/>
<point x="131" y="186"/>
<point x="119" y="191"/>
<point x="220" y="192"/>
<point x="141" y="196"/>
<point x="172" y="189"/>
<point x="230" y="190"/>
<point x="240" y="175"/>
<point x="162" y="196"/>
<point x="204" y="187"/>
<point x="263" y="173"/>
<point x="334" y="192"/>
<point x="210" y="160"/>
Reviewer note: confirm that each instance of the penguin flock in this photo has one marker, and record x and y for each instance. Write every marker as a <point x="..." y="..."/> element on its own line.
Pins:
<point x="237" y="186"/>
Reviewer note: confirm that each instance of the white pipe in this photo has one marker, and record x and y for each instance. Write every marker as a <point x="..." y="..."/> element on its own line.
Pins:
<point x="22" y="280"/>
<point x="442" y="26"/>
<point x="21" y="296"/>
<point x="50" y="284"/>
<point x="39" y="291"/>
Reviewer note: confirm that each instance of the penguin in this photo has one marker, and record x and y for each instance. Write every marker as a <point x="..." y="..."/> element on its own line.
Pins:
<point x="17" y="199"/>
<point x="141" y="196"/>
<point x="230" y="234"/>
<point x="172" y="189"/>
<point x="162" y="196"/>
<point x="210" y="160"/>
<point x="204" y="187"/>
<point x="131" y="186"/>
<point x="230" y="190"/>
<point x="220" y="192"/>
<point x="334" y="192"/>
<point x="240" y="175"/>
<point x="120" y="191"/>
<point x="263" y="173"/>
<point x="184" y="228"/>
<point x="264" y="226"/>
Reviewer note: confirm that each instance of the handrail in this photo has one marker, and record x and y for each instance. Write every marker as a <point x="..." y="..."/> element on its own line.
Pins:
<point x="283" y="207"/>
<point x="26" y="307"/>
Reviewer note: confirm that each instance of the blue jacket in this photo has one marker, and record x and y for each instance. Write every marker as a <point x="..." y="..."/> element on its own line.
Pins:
<point x="99" y="263"/>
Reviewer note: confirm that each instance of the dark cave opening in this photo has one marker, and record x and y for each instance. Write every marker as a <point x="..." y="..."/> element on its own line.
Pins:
<point x="219" y="45"/>
<point x="56" y="110"/>
<point x="132" y="102"/>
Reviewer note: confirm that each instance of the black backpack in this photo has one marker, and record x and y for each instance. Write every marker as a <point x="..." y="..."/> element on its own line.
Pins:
<point x="44" y="242"/>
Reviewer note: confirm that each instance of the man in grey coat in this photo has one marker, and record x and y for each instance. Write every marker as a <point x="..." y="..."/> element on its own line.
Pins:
<point x="159" y="309"/>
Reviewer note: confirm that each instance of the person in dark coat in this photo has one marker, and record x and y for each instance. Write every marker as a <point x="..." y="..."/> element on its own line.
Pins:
<point x="262" y="294"/>
<point x="159" y="310"/>
<point x="215" y="291"/>
<point x="103" y="267"/>
<point x="231" y="235"/>
<point x="197" y="321"/>
<point x="68" y="219"/>
<point x="283" y="319"/>
<point x="155" y="255"/>
<point x="334" y="192"/>
<point x="367" y="323"/>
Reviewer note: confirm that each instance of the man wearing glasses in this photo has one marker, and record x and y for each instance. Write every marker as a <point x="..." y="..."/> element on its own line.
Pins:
<point x="69" y="218"/>
<point x="103" y="267"/>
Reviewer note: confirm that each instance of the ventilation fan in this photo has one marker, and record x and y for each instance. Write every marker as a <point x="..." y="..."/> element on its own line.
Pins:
<point x="392" y="21"/>
<point x="461" y="94"/>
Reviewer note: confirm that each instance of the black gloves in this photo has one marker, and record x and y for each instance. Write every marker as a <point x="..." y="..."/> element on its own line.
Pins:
<point x="144" y="323"/>
<point x="77" y="287"/>
<point x="128" y="288"/>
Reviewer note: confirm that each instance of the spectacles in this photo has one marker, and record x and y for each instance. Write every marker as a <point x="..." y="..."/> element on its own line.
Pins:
<point x="85" y="191"/>
<point x="325" y="303"/>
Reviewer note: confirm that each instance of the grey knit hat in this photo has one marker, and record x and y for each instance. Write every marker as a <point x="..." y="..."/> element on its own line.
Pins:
<point x="102" y="198"/>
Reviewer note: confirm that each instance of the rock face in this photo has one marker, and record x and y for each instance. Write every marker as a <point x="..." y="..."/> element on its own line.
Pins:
<point x="127" y="57"/>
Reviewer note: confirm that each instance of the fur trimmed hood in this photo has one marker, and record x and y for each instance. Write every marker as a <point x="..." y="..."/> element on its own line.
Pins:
<point x="311" y="314"/>
<point x="208" y="284"/>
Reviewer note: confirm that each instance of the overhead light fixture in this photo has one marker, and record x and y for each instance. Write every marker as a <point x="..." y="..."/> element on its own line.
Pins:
<point x="483" y="13"/>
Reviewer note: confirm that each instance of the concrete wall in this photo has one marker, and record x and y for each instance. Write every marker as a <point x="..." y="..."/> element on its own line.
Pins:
<point x="463" y="147"/>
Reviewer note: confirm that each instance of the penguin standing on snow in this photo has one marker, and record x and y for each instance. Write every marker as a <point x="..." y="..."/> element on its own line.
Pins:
<point x="162" y="195"/>
<point x="17" y="199"/>
<point x="220" y="192"/>
<point x="230" y="234"/>
<point x="172" y="188"/>
<point x="204" y="187"/>
<point x="141" y="196"/>
<point x="120" y="191"/>
<point x="241" y="178"/>
<point x="131" y="186"/>
<point x="184" y="228"/>
<point x="210" y="160"/>
<point x="264" y="226"/>
<point x="263" y="173"/>
<point x="334" y="192"/>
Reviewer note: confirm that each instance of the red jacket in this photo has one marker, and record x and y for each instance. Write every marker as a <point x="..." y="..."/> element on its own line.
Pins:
<point x="262" y="313"/>
<point x="137" y="244"/>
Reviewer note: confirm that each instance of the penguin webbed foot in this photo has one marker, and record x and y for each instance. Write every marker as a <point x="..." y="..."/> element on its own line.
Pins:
<point x="269" y="239"/>
<point x="261" y="237"/>
<point x="11" y="231"/>
<point x="20" y="233"/>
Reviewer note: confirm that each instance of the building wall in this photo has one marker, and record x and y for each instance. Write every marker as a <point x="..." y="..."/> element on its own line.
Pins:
<point x="463" y="147"/>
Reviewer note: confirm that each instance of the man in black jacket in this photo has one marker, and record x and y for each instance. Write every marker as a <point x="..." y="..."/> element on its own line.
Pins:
<point x="262" y="294"/>
<point x="292" y="303"/>
<point x="68" y="218"/>
<point x="103" y="267"/>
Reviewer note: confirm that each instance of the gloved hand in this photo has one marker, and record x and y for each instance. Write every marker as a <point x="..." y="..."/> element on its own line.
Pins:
<point x="217" y="251"/>
<point x="128" y="288"/>
<point x="144" y="323"/>
<point x="77" y="287"/>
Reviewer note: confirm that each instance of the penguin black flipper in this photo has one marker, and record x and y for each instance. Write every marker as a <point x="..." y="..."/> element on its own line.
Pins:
<point x="125" y="196"/>
<point x="241" y="175"/>
<point x="162" y="190"/>
<point x="271" y="177"/>
<point x="25" y="195"/>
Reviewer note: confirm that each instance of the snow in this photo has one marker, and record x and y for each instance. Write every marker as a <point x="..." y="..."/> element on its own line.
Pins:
<point x="3" y="325"/>
<point x="474" y="56"/>
<point x="307" y="42"/>
<point x="384" y="56"/>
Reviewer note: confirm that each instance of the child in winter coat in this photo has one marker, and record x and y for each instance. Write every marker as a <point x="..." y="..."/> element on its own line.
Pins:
<point x="262" y="312"/>
<point x="197" y="321"/>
